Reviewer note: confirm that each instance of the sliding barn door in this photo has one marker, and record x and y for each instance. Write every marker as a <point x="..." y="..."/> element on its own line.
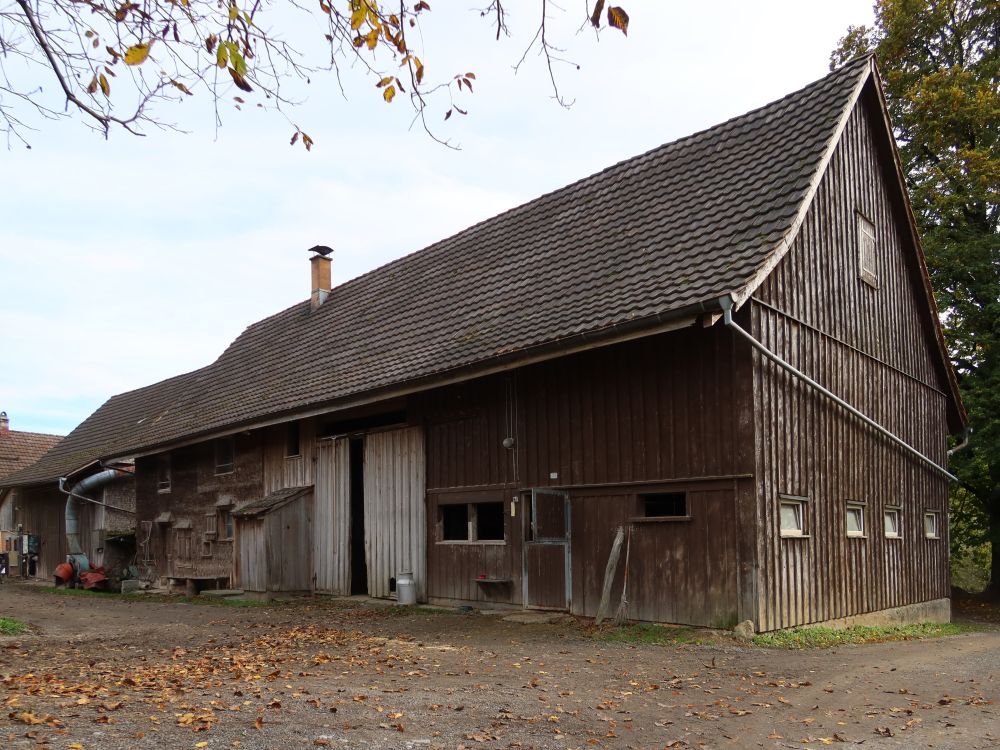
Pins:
<point x="332" y="517"/>
<point x="395" y="511"/>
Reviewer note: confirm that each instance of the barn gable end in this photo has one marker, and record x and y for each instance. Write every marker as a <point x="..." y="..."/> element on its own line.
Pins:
<point x="874" y="342"/>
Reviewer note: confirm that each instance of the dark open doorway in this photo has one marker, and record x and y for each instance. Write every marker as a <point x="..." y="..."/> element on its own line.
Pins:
<point x="359" y="568"/>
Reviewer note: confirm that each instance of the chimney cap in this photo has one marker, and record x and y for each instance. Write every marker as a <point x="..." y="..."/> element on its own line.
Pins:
<point x="321" y="250"/>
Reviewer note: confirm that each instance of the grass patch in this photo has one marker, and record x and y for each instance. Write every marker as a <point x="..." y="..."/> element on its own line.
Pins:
<point x="211" y="601"/>
<point x="10" y="626"/>
<point x="401" y="611"/>
<point x="647" y="634"/>
<point x="820" y="637"/>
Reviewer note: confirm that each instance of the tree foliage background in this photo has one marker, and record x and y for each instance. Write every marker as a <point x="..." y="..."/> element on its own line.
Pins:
<point x="941" y="69"/>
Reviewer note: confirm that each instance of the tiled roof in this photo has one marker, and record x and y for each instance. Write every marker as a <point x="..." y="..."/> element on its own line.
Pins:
<point x="647" y="239"/>
<point x="107" y="432"/>
<point x="19" y="449"/>
<point x="275" y="500"/>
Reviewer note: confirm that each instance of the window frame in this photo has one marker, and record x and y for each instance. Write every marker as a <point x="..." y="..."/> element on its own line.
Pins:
<point x="897" y="511"/>
<point x="802" y="503"/>
<point x="164" y="473"/>
<point x="867" y="261"/>
<point x="472" y="522"/>
<point x="642" y="511"/>
<point x="223" y="468"/>
<point x="296" y="429"/>
<point x="856" y="506"/>
<point x="936" y="515"/>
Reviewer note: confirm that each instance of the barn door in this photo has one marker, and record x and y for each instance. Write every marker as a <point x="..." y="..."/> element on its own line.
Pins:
<point x="332" y="517"/>
<point x="395" y="509"/>
<point x="546" y="578"/>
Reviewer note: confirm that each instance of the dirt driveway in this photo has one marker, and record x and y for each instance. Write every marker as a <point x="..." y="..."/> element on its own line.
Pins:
<point x="108" y="673"/>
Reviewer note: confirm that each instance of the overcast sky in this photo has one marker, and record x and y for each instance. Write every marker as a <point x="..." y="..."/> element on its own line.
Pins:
<point x="128" y="260"/>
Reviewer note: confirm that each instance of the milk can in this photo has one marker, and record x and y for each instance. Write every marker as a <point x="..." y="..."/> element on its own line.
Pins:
<point x="406" y="588"/>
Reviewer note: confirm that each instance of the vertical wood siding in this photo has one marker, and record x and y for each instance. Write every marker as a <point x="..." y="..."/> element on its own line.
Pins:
<point x="395" y="511"/>
<point x="291" y="471"/>
<point x="679" y="571"/>
<point x="873" y="348"/>
<point x="251" y="561"/>
<point x="452" y="569"/>
<point x="289" y="536"/>
<point x="665" y="407"/>
<point x="332" y="517"/>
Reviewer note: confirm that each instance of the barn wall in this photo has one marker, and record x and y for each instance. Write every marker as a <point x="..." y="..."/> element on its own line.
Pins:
<point x="281" y="471"/>
<point x="671" y="407"/>
<point x="872" y="348"/>
<point x="195" y="490"/>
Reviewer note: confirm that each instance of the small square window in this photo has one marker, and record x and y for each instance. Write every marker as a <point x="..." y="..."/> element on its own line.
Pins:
<point x="224" y="453"/>
<point x="163" y="472"/>
<point x="932" y="524"/>
<point x="855" y="519"/>
<point x="792" y="515"/>
<point x="206" y="548"/>
<point x="293" y="441"/>
<point x="866" y="252"/>
<point x="893" y="528"/>
<point x="665" y="505"/>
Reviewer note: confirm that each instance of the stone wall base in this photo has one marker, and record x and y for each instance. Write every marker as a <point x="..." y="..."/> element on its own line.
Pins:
<point x="936" y="610"/>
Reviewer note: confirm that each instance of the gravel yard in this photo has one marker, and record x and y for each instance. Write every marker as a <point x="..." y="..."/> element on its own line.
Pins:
<point x="105" y="672"/>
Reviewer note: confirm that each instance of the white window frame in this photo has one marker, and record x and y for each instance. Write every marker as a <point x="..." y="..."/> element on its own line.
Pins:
<point x="867" y="252"/>
<point x="897" y="511"/>
<point x="936" y="515"/>
<point x="855" y="506"/>
<point x="802" y="513"/>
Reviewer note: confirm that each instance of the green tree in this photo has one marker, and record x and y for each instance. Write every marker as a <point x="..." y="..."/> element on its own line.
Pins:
<point x="941" y="70"/>
<point x="119" y="63"/>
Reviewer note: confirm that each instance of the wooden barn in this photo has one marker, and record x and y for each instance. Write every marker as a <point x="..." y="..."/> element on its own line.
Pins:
<point x="727" y="346"/>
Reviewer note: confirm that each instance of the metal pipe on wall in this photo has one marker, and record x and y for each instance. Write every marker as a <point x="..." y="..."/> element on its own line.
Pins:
<point x="727" y="310"/>
<point x="76" y="494"/>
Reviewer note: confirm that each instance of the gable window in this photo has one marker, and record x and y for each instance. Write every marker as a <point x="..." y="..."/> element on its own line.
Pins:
<point x="224" y="455"/>
<point x="792" y="515"/>
<point x="866" y="252"/>
<point x="163" y="472"/>
<point x="932" y="524"/>
<point x="664" y="505"/>
<point x="471" y="522"/>
<point x="293" y="441"/>
<point x="893" y="523"/>
<point x="855" y="519"/>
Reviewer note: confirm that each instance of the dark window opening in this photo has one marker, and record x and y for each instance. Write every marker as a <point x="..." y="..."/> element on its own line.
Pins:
<point x="228" y="526"/>
<point x="489" y="521"/>
<point x="293" y="442"/>
<point x="665" y="505"/>
<point x="359" y="424"/>
<point x="163" y="472"/>
<point x="455" y="523"/>
<point x="225" y="451"/>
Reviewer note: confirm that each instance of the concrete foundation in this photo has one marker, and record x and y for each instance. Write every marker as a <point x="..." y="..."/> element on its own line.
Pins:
<point x="936" y="610"/>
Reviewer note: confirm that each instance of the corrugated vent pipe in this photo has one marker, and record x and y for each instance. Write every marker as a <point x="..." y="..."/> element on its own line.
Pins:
<point x="75" y="494"/>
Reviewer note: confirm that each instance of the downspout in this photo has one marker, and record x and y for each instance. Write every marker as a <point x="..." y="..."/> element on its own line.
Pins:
<point x="727" y="309"/>
<point x="76" y="494"/>
<point x="964" y="444"/>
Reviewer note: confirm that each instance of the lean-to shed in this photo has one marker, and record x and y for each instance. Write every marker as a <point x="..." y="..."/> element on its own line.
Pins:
<point x="274" y="542"/>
